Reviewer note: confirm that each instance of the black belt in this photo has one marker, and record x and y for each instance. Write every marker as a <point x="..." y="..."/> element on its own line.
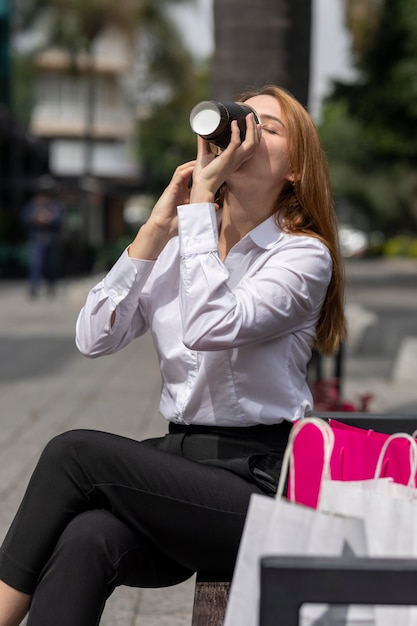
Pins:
<point x="263" y="433"/>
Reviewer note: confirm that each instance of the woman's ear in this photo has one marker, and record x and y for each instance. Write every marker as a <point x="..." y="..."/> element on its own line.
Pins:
<point x="292" y="178"/>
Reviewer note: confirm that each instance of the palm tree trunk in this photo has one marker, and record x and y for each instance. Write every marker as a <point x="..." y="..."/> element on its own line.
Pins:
<point x="299" y="49"/>
<point x="259" y="42"/>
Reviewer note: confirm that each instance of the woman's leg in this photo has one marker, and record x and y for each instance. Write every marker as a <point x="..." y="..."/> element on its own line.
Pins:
<point x="194" y="513"/>
<point x="95" y="553"/>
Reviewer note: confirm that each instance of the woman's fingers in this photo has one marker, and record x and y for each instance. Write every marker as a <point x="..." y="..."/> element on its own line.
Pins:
<point x="253" y="132"/>
<point x="253" y="129"/>
<point x="212" y="170"/>
<point x="179" y="185"/>
<point x="183" y="172"/>
<point x="177" y="192"/>
<point x="203" y="147"/>
<point x="238" y="152"/>
<point x="251" y="140"/>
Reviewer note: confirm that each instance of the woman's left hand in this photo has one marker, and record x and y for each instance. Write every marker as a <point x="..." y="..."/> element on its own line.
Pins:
<point x="212" y="170"/>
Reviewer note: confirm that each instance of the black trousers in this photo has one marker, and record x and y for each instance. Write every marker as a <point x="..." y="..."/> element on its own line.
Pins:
<point x="102" y="510"/>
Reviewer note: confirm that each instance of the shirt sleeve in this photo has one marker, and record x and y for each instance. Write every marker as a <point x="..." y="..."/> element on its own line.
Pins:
<point x="121" y="293"/>
<point x="282" y="293"/>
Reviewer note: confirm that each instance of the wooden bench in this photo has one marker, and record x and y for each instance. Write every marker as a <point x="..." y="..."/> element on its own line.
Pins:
<point x="210" y="600"/>
<point x="211" y="594"/>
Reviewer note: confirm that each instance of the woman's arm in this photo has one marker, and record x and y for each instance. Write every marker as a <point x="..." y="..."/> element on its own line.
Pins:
<point x="112" y="315"/>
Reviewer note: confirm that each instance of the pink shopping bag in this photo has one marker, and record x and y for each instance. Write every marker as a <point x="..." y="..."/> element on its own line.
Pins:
<point x="354" y="457"/>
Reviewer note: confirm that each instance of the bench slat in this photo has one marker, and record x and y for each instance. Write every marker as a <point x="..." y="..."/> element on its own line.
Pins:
<point x="210" y="600"/>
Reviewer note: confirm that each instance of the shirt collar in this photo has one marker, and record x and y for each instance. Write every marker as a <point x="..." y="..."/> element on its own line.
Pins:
<point x="265" y="235"/>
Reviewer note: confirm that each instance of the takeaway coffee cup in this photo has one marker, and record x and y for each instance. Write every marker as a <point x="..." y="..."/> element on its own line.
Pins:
<point x="212" y="120"/>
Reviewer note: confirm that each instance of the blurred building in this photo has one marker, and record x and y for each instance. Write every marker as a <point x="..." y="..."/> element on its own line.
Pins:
<point x="81" y="111"/>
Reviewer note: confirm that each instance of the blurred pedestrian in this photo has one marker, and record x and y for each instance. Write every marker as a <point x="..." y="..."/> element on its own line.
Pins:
<point x="42" y="217"/>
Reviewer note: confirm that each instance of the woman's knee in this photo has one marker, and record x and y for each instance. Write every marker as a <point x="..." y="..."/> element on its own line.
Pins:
<point x="64" y="446"/>
<point x="97" y="536"/>
<point x="95" y="527"/>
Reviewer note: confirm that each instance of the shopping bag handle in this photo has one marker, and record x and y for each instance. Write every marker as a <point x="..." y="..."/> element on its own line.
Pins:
<point x="412" y="453"/>
<point x="288" y="458"/>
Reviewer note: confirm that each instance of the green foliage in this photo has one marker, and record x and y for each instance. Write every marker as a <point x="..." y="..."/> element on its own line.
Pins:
<point x="385" y="192"/>
<point x="385" y="98"/>
<point x="401" y="246"/>
<point x="368" y="126"/>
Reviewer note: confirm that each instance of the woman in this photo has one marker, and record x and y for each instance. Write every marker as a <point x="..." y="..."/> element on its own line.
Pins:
<point x="235" y="302"/>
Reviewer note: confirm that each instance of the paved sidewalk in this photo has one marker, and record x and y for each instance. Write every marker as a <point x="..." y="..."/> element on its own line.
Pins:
<point x="47" y="387"/>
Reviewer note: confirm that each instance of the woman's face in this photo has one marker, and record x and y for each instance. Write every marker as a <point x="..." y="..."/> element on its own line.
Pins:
<point x="270" y="163"/>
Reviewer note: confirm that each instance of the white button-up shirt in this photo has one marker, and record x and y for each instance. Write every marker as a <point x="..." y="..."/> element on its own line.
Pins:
<point x="233" y="338"/>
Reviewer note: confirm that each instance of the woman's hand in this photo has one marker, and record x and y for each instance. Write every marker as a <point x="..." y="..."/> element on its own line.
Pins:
<point x="164" y="213"/>
<point x="209" y="171"/>
<point x="212" y="170"/>
<point x="162" y="224"/>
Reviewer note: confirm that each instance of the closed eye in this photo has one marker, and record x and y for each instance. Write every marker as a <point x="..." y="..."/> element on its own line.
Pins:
<point x="270" y="129"/>
<point x="272" y="124"/>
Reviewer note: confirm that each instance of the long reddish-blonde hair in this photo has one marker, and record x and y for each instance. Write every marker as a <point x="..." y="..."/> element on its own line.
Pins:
<point x="306" y="207"/>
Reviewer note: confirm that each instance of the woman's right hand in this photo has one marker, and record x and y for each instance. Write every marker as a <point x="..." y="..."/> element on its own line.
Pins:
<point x="162" y="223"/>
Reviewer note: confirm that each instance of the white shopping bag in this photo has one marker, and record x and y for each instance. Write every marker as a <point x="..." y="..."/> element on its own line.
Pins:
<point x="276" y="526"/>
<point x="389" y="512"/>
